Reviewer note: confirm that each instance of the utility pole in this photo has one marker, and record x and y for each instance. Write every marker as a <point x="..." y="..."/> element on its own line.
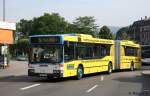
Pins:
<point x="3" y="10"/>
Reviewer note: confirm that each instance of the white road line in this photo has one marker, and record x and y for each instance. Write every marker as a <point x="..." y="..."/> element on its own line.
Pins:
<point x="89" y="90"/>
<point x="31" y="86"/>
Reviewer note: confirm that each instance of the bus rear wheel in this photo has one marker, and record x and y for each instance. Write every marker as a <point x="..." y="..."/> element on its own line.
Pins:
<point x="79" y="73"/>
<point x="109" y="68"/>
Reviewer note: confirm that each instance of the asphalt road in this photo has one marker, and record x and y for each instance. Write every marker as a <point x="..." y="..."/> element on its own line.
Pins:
<point x="125" y="83"/>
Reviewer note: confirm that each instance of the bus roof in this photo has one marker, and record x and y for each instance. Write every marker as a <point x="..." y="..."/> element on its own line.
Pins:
<point x="79" y="38"/>
<point x="87" y="39"/>
<point x="129" y="43"/>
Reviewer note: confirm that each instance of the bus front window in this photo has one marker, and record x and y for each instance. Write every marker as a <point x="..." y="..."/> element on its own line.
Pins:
<point x="46" y="54"/>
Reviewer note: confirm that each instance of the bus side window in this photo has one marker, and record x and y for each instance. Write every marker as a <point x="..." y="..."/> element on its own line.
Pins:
<point x="80" y="52"/>
<point x="69" y="52"/>
<point x="101" y="51"/>
<point x="129" y="51"/>
<point x="105" y="50"/>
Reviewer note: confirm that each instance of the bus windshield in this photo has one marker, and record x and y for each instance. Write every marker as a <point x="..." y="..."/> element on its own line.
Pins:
<point x="46" y="54"/>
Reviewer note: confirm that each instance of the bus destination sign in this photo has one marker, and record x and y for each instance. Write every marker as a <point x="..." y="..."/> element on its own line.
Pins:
<point x="46" y="40"/>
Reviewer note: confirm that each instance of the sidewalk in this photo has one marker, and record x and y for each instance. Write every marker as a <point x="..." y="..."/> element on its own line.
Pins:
<point x="16" y="68"/>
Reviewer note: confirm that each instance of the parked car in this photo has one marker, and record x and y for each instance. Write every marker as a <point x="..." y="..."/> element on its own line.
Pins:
<point x="145" y="58"/>
<point x="146" y="61"/>
<point x="21" y="58"/>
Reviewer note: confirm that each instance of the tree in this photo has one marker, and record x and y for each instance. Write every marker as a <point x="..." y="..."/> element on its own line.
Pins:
<point x="46" y="24"/>
<point x="23" y="45"/>
<point x="84" y="25"/>
<point x="49" y="24"/>
<point x="24" y="27"/>
<point x="122" y="33"/>
<point x="20" y="48"/>
<point x="105" y="33"/>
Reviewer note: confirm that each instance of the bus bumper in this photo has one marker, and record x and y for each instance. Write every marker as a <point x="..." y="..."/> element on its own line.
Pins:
<point x="54" y="74"/>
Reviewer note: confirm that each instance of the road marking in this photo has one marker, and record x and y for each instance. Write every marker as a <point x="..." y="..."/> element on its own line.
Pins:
<point x="31" y="86"/>
<point x="89" y="90"/>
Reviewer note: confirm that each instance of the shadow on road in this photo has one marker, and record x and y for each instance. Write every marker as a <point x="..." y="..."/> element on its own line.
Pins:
<point x="25" y="78"/>
<point x="136" y="79"/>
<point x="143" y="80"/>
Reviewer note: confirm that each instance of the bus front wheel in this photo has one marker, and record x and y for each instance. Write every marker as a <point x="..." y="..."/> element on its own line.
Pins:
<point x="79" y="72"/>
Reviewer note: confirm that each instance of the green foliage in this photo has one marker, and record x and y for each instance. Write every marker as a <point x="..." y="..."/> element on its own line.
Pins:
<point x="49" y="24"/>
<point x="84" y="25"/>
<point x="24" y="26"/>
<point x="12" y="49"/>
<point x="22" y="46"/>
<point x="122" y="33"/>
<point x="105" y="33"/>
<point x="46" y="24"/>
<point x="55" y="24"/>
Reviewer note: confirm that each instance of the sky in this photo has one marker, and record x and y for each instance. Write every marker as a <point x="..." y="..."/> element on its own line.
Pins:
<point x="106" y="12"/>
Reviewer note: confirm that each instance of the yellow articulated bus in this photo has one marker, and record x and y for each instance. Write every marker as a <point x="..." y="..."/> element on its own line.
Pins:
<point x="78" y="54"/>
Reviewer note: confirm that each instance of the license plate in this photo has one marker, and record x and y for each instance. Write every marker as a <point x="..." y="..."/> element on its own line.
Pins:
<point x="43" y="75"/>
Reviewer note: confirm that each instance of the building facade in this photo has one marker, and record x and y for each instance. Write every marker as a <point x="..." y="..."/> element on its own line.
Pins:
<point x="140" y="31"/>
<point x="6" y="38"/>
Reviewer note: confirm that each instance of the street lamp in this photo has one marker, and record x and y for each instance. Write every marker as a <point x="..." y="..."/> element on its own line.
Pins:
<point x="3" y="10"/>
